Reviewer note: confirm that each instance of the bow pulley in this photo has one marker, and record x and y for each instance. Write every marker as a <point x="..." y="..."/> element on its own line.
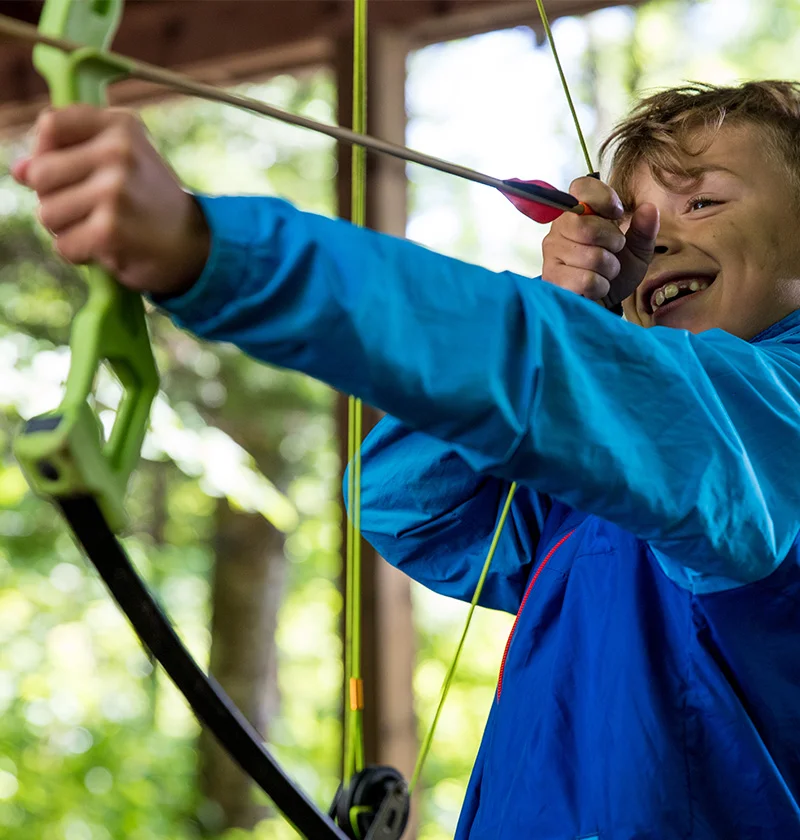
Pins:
<point x="373" y="805"/>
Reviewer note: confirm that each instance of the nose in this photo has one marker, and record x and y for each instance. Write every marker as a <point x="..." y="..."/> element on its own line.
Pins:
<point x="669" y="237"/>
<point x="667" y="242"/>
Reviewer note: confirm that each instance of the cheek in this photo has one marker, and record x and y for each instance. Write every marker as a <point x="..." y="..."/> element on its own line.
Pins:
<point x="766" y="253"/>
<point x="763" y="242"/>
<point x="776" y="241"/>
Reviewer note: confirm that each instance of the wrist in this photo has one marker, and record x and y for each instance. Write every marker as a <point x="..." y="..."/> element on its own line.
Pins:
<point x="193" y="255"/>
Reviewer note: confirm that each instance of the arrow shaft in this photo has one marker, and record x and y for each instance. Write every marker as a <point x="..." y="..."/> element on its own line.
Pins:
<point x="146" y="72"/>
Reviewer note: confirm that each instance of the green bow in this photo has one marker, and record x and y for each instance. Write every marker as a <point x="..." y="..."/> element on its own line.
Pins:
<point x="63" y="453"/>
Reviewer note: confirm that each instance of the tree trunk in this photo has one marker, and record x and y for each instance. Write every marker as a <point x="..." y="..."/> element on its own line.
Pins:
<point x="249" y="574"/>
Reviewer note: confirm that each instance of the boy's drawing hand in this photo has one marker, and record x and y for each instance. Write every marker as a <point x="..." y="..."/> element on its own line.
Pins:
<point x="591" y="255"/>
<point x="108" y="198"/>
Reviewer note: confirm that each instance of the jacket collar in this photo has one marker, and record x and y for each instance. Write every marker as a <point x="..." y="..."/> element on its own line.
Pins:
<point x="785" y="326"/>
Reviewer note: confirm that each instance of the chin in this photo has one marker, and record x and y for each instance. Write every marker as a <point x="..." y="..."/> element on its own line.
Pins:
<point x="691" y="322"/>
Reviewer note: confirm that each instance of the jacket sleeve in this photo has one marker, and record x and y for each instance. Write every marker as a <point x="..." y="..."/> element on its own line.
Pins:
<point x="686" y="441"/>
<point x="428" y="513"/>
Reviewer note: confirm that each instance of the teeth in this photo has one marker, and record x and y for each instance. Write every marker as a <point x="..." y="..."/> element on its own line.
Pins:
<point x="671" y="290"/>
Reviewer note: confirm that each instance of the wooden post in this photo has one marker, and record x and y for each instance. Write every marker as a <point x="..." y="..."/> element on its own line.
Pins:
<point x="388" y="634"/>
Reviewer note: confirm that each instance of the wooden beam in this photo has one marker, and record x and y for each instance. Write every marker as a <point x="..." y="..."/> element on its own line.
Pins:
<point x="222" y="42"/>
<point x="467" y="19"/>
<point x="315" y="52"/>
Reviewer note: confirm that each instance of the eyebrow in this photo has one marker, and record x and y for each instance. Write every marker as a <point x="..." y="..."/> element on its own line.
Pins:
<point x="703" y="169"/>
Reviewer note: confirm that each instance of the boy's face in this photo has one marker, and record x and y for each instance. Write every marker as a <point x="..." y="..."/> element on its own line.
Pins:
<point x="734" y="230"/>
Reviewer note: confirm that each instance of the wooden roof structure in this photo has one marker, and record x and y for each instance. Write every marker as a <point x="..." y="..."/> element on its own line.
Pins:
<point x="228" y="41"/>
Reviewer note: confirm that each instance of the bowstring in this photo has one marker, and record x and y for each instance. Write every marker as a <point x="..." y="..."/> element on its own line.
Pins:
<point x="564" y="84"/>
<point x="354" y="694"/>
<point x="427" y="741"/>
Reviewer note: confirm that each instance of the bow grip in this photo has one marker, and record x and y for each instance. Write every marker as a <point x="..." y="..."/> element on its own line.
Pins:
<point x="63" y="453"/>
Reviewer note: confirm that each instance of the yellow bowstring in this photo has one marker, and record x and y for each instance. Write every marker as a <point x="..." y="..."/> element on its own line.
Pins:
<point x="564" y="84"/>
<point x="428" y="740"/>
<point x="354" y="694"/>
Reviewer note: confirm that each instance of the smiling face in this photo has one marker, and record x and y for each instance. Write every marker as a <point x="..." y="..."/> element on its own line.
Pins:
<point x="728" y="251"/>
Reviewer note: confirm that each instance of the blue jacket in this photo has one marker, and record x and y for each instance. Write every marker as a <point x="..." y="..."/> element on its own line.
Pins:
<point x="651" y="687"/>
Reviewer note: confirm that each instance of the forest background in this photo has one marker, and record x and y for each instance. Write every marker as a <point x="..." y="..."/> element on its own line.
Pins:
<point x="95" y="744"/>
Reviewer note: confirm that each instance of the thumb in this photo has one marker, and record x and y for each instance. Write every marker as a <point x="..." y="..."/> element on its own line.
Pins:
<point x="642" y="233"/>
<point x="635" y="257"/>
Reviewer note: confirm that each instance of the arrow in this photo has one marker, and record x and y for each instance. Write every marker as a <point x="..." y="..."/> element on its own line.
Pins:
<point x="528" y="194"/>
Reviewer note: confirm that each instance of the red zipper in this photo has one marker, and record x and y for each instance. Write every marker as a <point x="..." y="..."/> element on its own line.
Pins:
<point x="536" y="574"/>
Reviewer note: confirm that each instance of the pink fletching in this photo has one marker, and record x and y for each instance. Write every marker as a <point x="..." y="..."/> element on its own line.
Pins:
<point x="530" y="207"/>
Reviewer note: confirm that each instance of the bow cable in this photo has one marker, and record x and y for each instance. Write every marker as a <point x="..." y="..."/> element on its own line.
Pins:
<point x="354" y="695"/>
<point x="428" y="739"/>
<point x="501" y="522"/>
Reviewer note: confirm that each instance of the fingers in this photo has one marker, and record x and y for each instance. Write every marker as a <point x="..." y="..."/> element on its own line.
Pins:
<point x="593" y="258"/>
<point x="66" y="206"/>
<point x="72" y="143"/>
<point x="97" y="238"/>
<point x="590" y="230"/>
<point x="86" y="219"/>
<point x="110" y="198"/>
<point x="599" y="196"/>
<point x="583" y="282"/>
<point x="590" y="255"/>
<point x="580" y="252"/>
<point x="59" y="129"/>
<point x="80" y="166"/>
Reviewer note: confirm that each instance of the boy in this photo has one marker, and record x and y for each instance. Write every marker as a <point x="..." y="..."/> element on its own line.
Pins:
<point x="651" y="686"/>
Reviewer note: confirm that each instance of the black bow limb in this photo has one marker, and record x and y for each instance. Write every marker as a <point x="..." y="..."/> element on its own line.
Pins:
<point x="208" y="701"/>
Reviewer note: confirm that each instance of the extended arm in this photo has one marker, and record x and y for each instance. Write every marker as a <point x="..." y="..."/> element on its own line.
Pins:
<point x="686" y="441"/>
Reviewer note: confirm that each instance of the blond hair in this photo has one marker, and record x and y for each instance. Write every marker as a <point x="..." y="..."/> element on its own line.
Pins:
<point x="665" y="128"/>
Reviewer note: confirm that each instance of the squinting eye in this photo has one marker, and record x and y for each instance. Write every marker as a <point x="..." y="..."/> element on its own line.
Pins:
<point x="701" y="202"/>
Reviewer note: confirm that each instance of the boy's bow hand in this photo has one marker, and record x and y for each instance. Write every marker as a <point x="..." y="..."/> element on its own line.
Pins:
<point x="108" y="198"/>
<point x="591" y="255"/>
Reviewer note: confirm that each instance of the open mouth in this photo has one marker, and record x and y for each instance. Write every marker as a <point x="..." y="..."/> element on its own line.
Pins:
<point x="670" y="295"/>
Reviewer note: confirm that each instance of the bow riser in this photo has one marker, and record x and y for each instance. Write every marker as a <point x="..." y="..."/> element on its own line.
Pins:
<point x="64" y="453"/>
